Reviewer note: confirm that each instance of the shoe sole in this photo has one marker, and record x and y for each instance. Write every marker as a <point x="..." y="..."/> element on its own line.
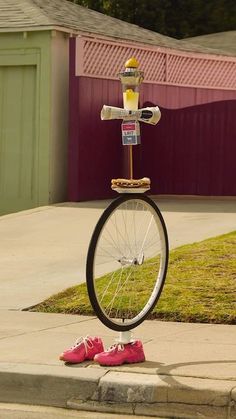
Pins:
<point x="61" y="358"/>
<point x="120" y="363"/>
<point x="76" y="362"/>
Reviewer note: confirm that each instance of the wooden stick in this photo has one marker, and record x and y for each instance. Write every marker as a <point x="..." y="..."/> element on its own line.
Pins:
<point x="131" y="161"/>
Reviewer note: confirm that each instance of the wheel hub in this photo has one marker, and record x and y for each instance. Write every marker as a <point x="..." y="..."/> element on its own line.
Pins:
<point x="124" y="261"/>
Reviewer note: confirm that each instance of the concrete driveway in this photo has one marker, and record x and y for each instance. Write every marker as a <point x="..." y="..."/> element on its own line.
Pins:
<point x="43" y="251"/>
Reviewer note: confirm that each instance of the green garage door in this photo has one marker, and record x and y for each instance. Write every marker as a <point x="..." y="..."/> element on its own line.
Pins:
<point x="18" y="146"/>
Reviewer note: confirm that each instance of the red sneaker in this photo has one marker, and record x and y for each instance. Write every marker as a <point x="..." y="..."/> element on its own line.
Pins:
<point x="83" y="349"/>
<point x="119" y="354"/>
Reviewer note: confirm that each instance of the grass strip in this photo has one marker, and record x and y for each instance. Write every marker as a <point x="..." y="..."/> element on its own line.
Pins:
<point x="200" y="286"/>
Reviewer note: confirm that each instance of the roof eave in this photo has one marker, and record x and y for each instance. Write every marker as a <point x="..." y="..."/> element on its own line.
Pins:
<point x="75" y="32"/>
<point x="38" y="28"/>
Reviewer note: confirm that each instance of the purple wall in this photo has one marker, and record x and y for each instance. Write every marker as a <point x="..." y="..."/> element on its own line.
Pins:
<point x="95" y="151"/>
<point x="176" y="97"/>
<point x="191" y="151"/>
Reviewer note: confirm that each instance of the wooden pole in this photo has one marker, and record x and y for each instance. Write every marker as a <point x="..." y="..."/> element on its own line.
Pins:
<point x="131" y="161"/>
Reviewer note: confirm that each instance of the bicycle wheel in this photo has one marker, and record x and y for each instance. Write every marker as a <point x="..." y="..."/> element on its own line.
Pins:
<point x="127" y="261"/>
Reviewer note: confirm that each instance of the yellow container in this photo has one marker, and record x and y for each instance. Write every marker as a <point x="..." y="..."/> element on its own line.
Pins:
<point x="130" y="99"/>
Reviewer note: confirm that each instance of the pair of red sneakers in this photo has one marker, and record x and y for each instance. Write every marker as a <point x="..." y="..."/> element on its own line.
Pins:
<point x="91" y="348"/>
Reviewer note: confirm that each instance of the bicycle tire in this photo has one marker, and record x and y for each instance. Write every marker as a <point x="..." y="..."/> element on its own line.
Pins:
<point x="128" y="209"/>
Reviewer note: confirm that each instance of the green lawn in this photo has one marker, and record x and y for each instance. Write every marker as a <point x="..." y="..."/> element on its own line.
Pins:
<point x="200" y="286"/>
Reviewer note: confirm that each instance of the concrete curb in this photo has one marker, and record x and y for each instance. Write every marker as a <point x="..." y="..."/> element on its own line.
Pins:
<point x="102" y="390"/>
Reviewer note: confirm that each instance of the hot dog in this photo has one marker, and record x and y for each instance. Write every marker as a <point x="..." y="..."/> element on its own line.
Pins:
<point x="130" y="183"/>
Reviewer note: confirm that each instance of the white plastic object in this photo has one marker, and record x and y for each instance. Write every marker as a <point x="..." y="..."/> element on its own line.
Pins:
<point x="124" y="337"/>
<point x="130" y="190"/>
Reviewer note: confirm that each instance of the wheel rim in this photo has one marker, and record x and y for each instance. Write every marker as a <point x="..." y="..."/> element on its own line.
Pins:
<point x="129" y="262"/>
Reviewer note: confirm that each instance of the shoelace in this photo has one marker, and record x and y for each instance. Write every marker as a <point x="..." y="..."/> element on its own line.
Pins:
<point x="119" y="346"/>
<point x="86" y="341"/>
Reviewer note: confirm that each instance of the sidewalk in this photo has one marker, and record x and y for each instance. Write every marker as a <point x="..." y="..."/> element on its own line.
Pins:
<point x="190" y="369"/>
<point x="43" y="251"/>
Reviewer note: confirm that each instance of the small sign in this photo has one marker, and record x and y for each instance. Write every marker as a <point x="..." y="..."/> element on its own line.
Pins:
<point x="130" y="132"/>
